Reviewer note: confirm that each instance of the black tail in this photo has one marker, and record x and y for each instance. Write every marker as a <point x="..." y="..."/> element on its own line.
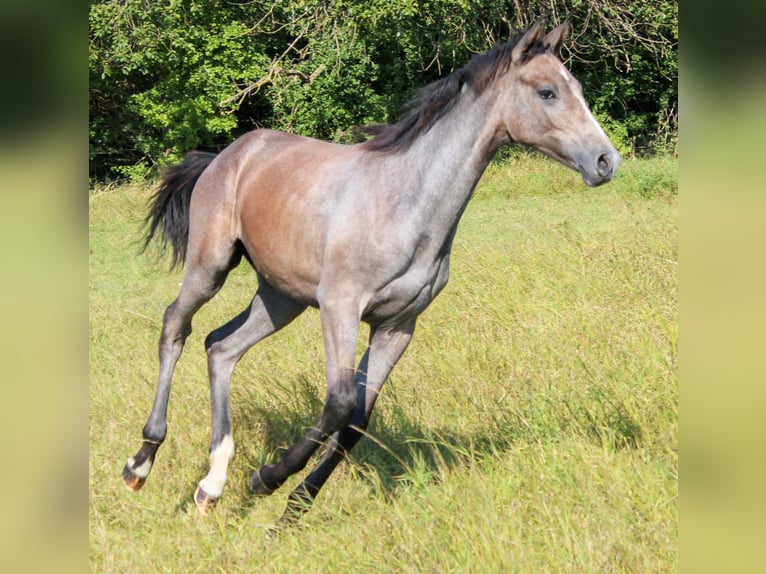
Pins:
<point x="169" y="206"/>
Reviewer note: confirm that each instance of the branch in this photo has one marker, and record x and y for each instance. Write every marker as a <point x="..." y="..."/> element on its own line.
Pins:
<point x="274" y="68"/>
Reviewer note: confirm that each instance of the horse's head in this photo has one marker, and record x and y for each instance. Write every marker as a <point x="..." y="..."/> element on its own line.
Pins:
<point x="547" y="110"/>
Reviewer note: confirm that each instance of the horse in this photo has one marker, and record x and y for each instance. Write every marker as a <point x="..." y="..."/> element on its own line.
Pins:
<point x="363" y="232"/>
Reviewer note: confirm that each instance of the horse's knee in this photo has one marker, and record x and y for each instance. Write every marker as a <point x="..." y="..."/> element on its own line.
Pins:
<point x="339" y="408"/>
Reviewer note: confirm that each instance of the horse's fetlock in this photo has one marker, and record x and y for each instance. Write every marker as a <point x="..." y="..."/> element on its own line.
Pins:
<point x="154" y="434"/>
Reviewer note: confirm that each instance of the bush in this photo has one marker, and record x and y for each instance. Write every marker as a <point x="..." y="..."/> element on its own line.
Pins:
<point x="166" y="77"/>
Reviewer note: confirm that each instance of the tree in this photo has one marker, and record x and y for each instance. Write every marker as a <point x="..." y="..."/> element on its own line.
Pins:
<point x="160" y="74"/>
<point x="168" y="76"/>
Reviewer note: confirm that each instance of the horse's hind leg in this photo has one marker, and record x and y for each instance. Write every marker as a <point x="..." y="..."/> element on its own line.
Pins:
<point x="268" y="312"/>
<point x="200" y="283"/>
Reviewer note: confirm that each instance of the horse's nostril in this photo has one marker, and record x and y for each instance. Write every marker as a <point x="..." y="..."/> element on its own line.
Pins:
<point x="604" y="165"/>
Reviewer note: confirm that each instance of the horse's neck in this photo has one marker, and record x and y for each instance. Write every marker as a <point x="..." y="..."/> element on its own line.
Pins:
<point x="448" y="160"/>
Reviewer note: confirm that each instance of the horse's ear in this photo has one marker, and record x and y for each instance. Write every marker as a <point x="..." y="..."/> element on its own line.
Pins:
<point x="556" y="37"/>
<point x="527" y="40"/>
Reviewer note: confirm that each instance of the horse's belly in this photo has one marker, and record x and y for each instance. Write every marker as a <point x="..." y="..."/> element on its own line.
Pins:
<point x="407" y="296"/>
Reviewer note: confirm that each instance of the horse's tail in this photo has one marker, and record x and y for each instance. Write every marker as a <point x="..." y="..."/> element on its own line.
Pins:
<point x="169" y="206"/>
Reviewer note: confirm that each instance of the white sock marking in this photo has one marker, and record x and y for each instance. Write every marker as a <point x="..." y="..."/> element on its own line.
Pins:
<point x="140" y="471"/>
<point x="215" y="480"/>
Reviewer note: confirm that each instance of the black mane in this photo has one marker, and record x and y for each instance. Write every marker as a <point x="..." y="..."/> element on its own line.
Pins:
<point x="433" y="101"/>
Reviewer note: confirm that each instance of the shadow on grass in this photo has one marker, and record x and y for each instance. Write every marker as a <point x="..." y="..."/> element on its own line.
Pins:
<point x="405" y="454"/>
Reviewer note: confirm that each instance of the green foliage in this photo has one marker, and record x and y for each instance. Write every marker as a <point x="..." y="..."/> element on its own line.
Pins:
<point x="628" y="63"/>
<point x="159" y="77"/>
<point x="618" y="133"/>
<point x="319" y="97"/>
<point x="169" y="76"/>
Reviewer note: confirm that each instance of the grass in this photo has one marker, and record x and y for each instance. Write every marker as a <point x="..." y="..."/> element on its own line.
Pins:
<point x="530" y="427"/>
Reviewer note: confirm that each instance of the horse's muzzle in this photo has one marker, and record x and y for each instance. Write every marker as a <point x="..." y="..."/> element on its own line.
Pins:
<point x="603" y="169"/>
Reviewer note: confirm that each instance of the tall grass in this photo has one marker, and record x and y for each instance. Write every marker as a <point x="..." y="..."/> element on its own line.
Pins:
<point x="530" y="427"/>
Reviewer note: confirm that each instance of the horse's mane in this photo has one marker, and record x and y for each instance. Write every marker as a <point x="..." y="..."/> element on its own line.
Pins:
<point x="433" y="101"/>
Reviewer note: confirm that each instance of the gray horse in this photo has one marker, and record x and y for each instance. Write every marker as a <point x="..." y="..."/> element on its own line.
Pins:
<point x="363" y="232"/>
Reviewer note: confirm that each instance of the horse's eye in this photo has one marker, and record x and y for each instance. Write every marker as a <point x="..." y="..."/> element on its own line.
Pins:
<point x="546" y="94"/>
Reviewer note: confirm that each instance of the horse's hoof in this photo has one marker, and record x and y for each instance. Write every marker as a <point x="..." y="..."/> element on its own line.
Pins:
<point x="258" y="487"/>
<point x="205" y="503"/>
<point x="132" y="480"/>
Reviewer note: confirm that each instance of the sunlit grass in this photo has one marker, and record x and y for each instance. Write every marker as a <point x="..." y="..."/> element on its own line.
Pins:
<point x="531" y="426"/>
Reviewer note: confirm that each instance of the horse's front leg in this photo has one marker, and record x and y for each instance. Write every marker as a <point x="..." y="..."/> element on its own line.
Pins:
<point x="386" y="346"/>
<point x="340" y="330"/>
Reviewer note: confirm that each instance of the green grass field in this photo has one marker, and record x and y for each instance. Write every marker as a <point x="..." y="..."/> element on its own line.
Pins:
<point x="530" y="427"/>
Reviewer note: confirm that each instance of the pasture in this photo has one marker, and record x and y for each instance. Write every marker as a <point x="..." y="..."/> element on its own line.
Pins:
<point x="530" y="427"/>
